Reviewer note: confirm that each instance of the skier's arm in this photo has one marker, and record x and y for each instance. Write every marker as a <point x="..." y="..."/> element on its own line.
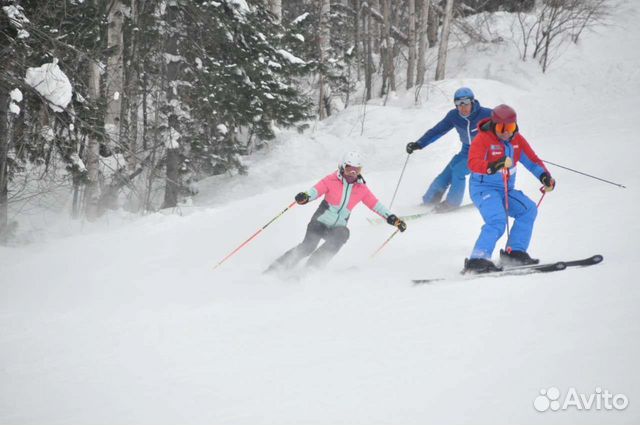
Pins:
<point x="319" y="189"/>
<point x="530" y="160"/>
<point x="374" y="205"/>
<point x="477" y="161"/>
<point x="436" y="132"/>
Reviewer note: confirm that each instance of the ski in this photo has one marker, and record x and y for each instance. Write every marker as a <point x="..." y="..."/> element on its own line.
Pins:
<point x="521" y="270"/>
<point x="589" y="261"/>
<point x="513" y="271"/>
<point x="409" y="217"/>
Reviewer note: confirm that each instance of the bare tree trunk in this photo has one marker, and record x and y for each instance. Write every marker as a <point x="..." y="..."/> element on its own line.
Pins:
<point x="387" y="51"/>
<point x="275" y="7"/>
<point x="432" y="27"/>
<point x="131" y="99"/>
<point x="173" y="148"/>
<point x="422" y="42"/>
<point x="92" y="153"/>
<point x="115" y="74"/>
<point x="4" y="150"/>
<point x="324" y="46"/>
<point x="357" y="36"/>
<point x="411" y="65"/>
<point x="444" y="40"/>
<point x="368" y="59"/>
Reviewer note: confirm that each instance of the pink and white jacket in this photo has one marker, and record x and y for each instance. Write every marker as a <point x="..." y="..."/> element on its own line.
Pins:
<point x="341" y="197"/>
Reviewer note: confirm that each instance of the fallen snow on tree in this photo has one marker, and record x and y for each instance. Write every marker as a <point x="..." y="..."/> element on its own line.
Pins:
<point x="17" y="19"/>
<point x="291" y="58"/>
<point x="52" y="84"/>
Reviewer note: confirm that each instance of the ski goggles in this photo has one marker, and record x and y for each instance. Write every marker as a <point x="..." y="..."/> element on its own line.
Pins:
<point x="350" y="169"/>
<point x="506" y="127"/>
<point x="463" y="101"/>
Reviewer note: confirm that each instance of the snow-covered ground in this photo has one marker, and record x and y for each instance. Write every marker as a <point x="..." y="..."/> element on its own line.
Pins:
<point x="130" y="324"/>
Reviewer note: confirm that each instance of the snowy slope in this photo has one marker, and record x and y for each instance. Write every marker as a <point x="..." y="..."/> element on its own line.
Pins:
<point x="130" y="323"/>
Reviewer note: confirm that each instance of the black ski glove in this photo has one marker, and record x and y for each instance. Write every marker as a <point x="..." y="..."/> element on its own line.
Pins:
<point x="499" y="164"/>
<point x="395" y="221"/>
<point x="302" y="198"/>
<point x="413" y="146"/>
<point x="548" y="181"/>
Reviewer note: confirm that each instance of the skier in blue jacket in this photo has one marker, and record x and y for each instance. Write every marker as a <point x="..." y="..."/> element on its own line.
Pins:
<point x="464" y="118"/>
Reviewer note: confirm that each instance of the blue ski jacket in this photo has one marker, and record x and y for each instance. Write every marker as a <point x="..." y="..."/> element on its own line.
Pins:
<point x="467" y="127"/>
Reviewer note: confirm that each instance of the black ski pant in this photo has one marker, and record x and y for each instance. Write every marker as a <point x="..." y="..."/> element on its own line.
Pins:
<point x="334" y="238"/>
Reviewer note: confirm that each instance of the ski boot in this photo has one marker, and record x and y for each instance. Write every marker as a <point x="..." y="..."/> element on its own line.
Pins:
<point x="516" y="258"/>
<point x="443" y="207"/>
<point x="479" y="265"/>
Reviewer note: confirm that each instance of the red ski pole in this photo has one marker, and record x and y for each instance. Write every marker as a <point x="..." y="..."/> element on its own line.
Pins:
<point x="254" y="235"/>
<point x="505" y="179"/>
<point x="385" y="242"/>
<point x="544" y="192"/>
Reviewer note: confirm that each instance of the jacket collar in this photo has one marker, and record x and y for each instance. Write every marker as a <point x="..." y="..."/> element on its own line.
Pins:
<point x="360" y="179"/>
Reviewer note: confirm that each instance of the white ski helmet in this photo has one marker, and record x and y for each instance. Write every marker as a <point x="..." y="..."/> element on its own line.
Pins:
<point x="352" y="158"/>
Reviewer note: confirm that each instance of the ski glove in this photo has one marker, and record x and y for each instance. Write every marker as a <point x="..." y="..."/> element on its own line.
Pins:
<point x="548" y="181"/>
<point x="413" y="146"/>
<point x="395" y="221"/>
<point x="499" y="164"/>
<point x="302" y="198"/>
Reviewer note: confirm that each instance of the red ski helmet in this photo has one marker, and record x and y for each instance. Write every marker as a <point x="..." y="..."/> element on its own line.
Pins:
<point x="503" y="114"/>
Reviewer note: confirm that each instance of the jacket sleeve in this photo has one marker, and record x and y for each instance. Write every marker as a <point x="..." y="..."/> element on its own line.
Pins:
<point x="530" y="160"/>
<point x="436" y="131"/>
<point x="319" y="189"/>
<point x="477" y="162"/>
<point x="374" y="205"/>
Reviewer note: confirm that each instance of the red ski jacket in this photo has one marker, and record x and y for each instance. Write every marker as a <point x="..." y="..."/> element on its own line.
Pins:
<point x="486" y="147"/>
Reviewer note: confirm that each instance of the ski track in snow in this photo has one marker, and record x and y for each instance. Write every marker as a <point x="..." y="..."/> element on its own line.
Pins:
<point x="128" y="323"/>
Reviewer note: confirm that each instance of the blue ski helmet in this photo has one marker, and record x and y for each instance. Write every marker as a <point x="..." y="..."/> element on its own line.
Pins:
<point x="463" y="92"/>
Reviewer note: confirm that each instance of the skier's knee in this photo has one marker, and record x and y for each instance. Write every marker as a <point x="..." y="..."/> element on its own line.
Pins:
<point x="498" y="225"/>
<point x="305" y="248"/>
<point x="340" y="235"/>
<point x="532" y="213"/>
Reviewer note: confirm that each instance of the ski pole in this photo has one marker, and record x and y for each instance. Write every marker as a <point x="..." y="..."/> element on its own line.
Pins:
<point x="399" y="180"/>
<point x="505" y="179"/>
<point x="254" y="235"/>
<point x="544" y="192"/>
<point x="385" y="242"/>
<point x="585" y="174"/>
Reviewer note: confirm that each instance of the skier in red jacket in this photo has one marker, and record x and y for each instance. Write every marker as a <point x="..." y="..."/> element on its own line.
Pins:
<point x="494" y="155"/>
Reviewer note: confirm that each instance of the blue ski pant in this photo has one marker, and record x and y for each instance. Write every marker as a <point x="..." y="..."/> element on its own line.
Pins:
<point x="490" y="202"/>
<point x="453" y="177"/>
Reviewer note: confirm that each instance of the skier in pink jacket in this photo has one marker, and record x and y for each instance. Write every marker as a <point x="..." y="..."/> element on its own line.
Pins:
<point x="342" y="191"/>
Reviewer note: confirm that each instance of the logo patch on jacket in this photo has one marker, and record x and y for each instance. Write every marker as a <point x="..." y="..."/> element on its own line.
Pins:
<point x="495" y="147"/>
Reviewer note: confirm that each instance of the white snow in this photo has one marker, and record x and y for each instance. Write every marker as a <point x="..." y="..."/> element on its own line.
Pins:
<point x="173" y="138"/>
<point x="241" y="6"/>
<point x="16" y="95"/>
<point x="17" y="19"/>
<point x="169" y="58"/>
<point x="222" y="128"/>
<point x="15" y="15"/>
<point x="129" y="323"/>
<point x="300" y="18"/>
<point x="14" y="108"/>
<point x="291" y="58"/>
<point x="52" y="83"/>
